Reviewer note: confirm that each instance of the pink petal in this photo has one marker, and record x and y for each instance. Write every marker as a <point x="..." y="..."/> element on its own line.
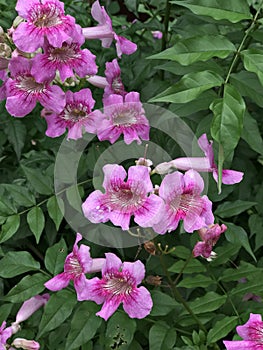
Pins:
<point x="97" y="265"/>
<point x="135" y="269"/>
<point x="241" y="345"/>
<point x="172" y="184"/>
<point x="84" y="257"/>
<point x="65" y="71"/>
<point x="54" y="99"/>
<point x="138" y="173"/>
<point x="23" y="7"/>
<point x="42" y="71"/>
<point x="26" y="39"/>
<point x="207" y="148"/>
<point x="229" y="177"/>
<point x="75" y="132"/>
<point x="202" y="249"/>
<point x="88" y="64"/>
<point x="98" y="81"/>
<point x="109" y="307"/>
<point x="93" y="291"/>
<point x="20" y="105"/>
<point x="97" y="13"/>
<point x="108" y="132"/>
<point x="133" y="96"/>
<point x="130" y="134"/>
<point x="58" y="282"/>
<point x="55" y="127"/>
<point x="80" y="285"/>
<point x="151" y="212"/>
<point x="124" y="45"/>
<point x="112" y="100"/>
<point x="254" y="323"/>
<point x="169" y="221"/>
<point x="113" y="173"/>
<point x="94" y="209"/>
<point x="193" y="182"/>
<point x="56" y="36"/>
<point x="120" y="219"/>
<point x="138" y="304"/>
<point x="84" y="95"/>
<point x="18" y="65"/>
<point x="113" y="263"/>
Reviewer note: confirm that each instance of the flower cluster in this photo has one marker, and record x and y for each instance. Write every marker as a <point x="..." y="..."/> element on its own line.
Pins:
<point x="48" y="55"/>
<point x="118" y="283"/>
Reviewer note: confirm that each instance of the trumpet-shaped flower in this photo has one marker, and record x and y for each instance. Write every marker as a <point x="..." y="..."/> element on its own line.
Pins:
<point x="183" y="201"/>
<point x="252" y="334"/>
<point x="76" y="116"/>
<point x="209" y="236"/>
<point x="105" y="33"/>
<point x="122" y="199"/>
<point x="124" y="115"/>
<point x="23" y="91"/>
<point x="76" y="265"/>
<point x="5" y="333"/>
<point x="203" y="164"/>
<point x="119" y="285"/>
<point x="113" y="76"/>
<point x="66" y="59"/>
<point x="44" y="19"/>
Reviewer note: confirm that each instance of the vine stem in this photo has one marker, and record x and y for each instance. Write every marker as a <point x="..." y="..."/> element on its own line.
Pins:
<point x="178" y="297"/>
<point x="182" y="270"/>
<point x="243" y="45"/>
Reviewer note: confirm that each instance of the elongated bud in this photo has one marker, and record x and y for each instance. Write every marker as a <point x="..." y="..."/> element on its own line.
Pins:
<point x="26" y="344"/>
<point x="30" y="306"/>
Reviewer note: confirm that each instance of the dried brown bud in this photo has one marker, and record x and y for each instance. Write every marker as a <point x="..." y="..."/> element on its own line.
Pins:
<point x="154" y="280"/>
<point x="150" y="247"/>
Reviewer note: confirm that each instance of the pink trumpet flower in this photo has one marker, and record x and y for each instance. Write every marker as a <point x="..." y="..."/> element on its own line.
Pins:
<point x="183" y="201"/>
<point x="202" y="164"/>
<point x="124" y="115"/>
<point x="105" y="33"/>
<point x="23" y="91"/>
<point x="119" y="285"/>
<point x="209" y="236"/>
<point x="122" y="199"/>
<point x="44" y="19"/>
<point x="113" y="76"/>
<point x="252" y="334"/>
<point x="76" y="265"/>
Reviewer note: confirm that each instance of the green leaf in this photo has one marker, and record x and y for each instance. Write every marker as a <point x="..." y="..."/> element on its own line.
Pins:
<point x="162" y="303"/>
<point x="194" y="266"/>
<point x="188" y="51"/>
<point x="55" y="257"/>
<point x="57" y="310"/>
<point x="178" y="69"/>
<point x="189" y="87"/>
<point x="54" y="210"/>
<point x="209" y="302"/>
<point x="253" y="62"/>
<point x="27" y="288"/>
<point x="248" y="85"/>
<point x="21" y="195"/>
<point x="158" y="336"/>
<point x="225" y="253"/>
<point x="251" y="133"/>
<point x="228" y="209"/>
<point x="16" y="263"/>
<point x="6" y="207"/>
<point x="5" y="311"/>
<point x="120" y="331"/>
<point x="245" y="269"/>
<point x="36" y="222"/>
<point x="9" y="228"/>
<point x="41" y="183"/>
<point x="254" y="287"/>
<point x="196" y="281"/>
<point x="238" y="236"/>
<point x="219" y="10"/>
<point x="221" y="329"/>
<point x="227" y="123"/>
<point x="84" y="325"/>
<point x="16" y="134"/>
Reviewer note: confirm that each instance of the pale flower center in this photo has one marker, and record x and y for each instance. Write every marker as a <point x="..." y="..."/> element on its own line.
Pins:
<point x="75" y="113"/>
<point x="124" y="116"/>
<point x="118" y="285"/>
<point x="187" y="203"/>
<point x="117" y="86"/>
<point x="47" y="15"/>
<point x="124" y="198"/>
<point x="73" y="266"/>
<point x="65" y="53"/>
<point x="28" y="84"/>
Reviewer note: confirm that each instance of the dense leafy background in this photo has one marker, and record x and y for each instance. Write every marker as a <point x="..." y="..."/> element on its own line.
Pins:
<point x="208" y="69"/>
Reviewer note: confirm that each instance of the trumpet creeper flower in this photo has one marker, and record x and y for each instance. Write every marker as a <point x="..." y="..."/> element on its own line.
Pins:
<point x="122" y="199"/>
<point x="252" y="334"/>
<point x="119" y="285"/>
<point x="183" y="201"/>
<point x="105" y="33"/>
<point x="77" y="263"/>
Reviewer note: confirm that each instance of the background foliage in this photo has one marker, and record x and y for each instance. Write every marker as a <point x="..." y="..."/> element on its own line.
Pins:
<point x="208" y="69"/>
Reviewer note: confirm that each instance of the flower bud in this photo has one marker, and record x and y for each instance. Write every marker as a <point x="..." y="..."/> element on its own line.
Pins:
<point x="26" y="344"/>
